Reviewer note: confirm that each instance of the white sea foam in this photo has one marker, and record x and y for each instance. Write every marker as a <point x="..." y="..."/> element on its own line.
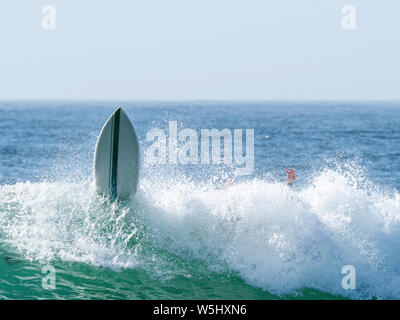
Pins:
<point x="282" y="240"/>
<point x="276" y="238"/>
<point x="46" y="221"/>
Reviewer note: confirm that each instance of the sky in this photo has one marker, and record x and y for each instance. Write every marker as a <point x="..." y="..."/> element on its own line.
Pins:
<point x="200" y="50"/>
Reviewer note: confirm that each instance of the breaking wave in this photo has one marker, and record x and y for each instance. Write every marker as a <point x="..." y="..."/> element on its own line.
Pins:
<point x="276" y="238"/>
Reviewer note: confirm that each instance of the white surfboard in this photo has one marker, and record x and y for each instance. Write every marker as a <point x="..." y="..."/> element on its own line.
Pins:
<point x="116" y="159"/>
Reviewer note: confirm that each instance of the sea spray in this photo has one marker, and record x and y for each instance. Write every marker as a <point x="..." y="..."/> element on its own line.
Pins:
<point x="278" y="239"/>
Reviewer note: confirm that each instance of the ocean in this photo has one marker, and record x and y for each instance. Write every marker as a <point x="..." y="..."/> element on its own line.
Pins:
<point x="185" y="235"/>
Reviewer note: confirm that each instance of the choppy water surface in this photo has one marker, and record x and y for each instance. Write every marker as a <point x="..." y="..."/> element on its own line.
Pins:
<point x="185" y="235"/>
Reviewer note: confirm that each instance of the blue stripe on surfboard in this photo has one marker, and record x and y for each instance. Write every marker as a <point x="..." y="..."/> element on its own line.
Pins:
<point x="114" y="154"/>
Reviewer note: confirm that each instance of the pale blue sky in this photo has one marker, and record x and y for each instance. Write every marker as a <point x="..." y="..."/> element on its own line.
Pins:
<point x="199" y="49"/>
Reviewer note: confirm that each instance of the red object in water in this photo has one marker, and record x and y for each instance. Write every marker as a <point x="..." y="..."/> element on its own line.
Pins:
<point x="290" y="175"/>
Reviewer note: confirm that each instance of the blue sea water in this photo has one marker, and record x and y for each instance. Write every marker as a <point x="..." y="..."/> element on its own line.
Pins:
<point x="184" y="235"/>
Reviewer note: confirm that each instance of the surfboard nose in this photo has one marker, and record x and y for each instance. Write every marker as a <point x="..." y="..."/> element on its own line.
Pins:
<point x="116" y="164"/>
<point x="120" y="110"/>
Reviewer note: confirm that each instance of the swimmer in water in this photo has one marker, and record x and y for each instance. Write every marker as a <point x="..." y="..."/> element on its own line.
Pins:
<point x="228" y="183"/>
<point x="290" y="176"/>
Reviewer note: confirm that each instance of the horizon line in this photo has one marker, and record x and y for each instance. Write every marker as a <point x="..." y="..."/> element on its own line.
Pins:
<point x="194" y="100"/>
